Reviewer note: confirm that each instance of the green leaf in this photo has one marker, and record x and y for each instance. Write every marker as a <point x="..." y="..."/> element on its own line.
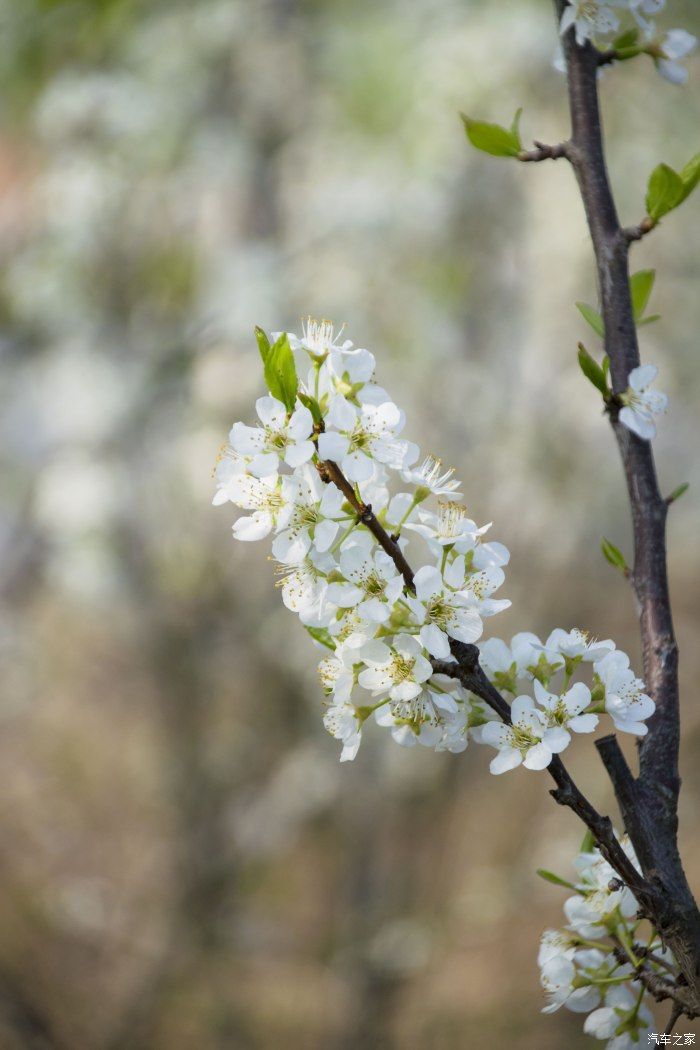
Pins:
<point x="641" y="284"/>
<point x="677" y="493"/>
<point x="515" y="128"/>
<point x="606" y="367"/>
<point x="593" y="317"/>
<point x="263" y="343"/>
<point x="587" y="842"/>
<point x="627" y="39"/>
<point x="650" y="319"/>
<point x="592" y="370"/>
<point x="320" y="634"/>
<point x="614" y="555"/>
<point x="690" y="175"/>
<point x="281" y="373"/>
<point x="492" y="138"/>
<point x="313" y="406"/>
<point x="549" y="876"/>
<point x="664" y="192"/>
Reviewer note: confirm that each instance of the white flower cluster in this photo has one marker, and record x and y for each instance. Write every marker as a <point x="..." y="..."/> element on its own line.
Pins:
<point x="542" y="725"/>
<point x="590" y="966"/>
<point x="600" y="21"/>
<point x="381" y="630"/>
<point x="339" y="549"/>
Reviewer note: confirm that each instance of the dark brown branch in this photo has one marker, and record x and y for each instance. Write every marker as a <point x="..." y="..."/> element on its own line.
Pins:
<point x="330" y="471"/>
<point x="566" y="793"/>
<point x="676" y="1012"/>
<point x="649" y="804"/>
<point x="545" y="152"/>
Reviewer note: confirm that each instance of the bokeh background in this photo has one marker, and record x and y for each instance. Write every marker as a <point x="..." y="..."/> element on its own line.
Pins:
<point x="183" y="861"/>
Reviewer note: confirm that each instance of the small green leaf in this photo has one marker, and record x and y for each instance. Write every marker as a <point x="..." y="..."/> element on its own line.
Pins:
<point x="592" y="370"/>
<point x="593" y="317"/>
<point x="263" y="343"/>
<point x="664" y="192"/>
<point x="281" y="373"/>
<point x="641" y="284"/>
<point x="677" y="493"/>
<point x="690" y="175"/>
<point x="606" y="367"/>
<point x="556" y="880"/>
<point x="650" y="319"/>
<point x="614" y="555"/>
<point x="492" y="138"/>
<point x="588" y="842"/>
<point x="625" y="40"/>
<point x="515" y="128"/>
<point x="313" y="406"/>
<point x="321" y="635"/>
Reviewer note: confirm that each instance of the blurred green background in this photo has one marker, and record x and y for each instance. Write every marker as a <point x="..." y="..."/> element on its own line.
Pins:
<point x="183" y="861"/>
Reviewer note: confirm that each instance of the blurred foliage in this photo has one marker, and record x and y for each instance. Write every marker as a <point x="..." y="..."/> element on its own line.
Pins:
<point x="184" y="862"/>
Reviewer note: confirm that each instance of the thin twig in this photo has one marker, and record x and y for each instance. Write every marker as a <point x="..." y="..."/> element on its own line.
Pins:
<point x="635" y="233"/>
<point x="544" y="152"/>
<point x="330" y="471"/>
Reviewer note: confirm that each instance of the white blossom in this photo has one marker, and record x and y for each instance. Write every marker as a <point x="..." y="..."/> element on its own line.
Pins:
<point x="399" y="670"/>
<point x="359" y="435"/>
<point x="278" y="437"/>
<point x="640" y="404"/>
<point x="625" y="700"/>
<point x="564" y="713"/>
<point x="342" y="720"/>
<point x="430" y="477"/>
<point x="576" y="645"/>
<point x="623" y="1021"/>
<point x="676" y="45"/>
<point x="371" y="584"/>
<point x="527" y="740"/>
<point x="443" y="613"/>
<point x="314" y="516"/>
<point x="265" y="497"/>
<point x="598" y="900"/>
<point x="590" y="18"/>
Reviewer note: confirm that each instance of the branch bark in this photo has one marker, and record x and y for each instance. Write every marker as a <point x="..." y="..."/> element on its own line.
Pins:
<point x="649" y="802"/>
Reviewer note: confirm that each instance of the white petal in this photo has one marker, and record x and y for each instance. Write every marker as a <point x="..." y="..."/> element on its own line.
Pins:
<point x="556" y="739"/>
<point x="505" y="760"/>
<point x="577" y="698"/>
<point x="255" y="527"/>
<point x="435" y="641"/>
<point x="357" y="466"/>
<point x="301" y="423"/>
<point x="642" y="376"/>
<point x="584" y="723"/>
<point x="290" y="547"/>
<point x="640" y="424"/>
<point x="324" y="534"/>
<point x="299" y="453"/>
<point x="271" y="412"/>
<point x="332" y="445"/>
<point x="538" y="757"/>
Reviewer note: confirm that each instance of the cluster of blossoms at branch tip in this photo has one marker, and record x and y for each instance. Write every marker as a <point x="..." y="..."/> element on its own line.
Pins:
<point x="602" y="23"/>
<point x="315" y="474"/>
<point x="602" y="962"/>
<point x="542" y="723"/>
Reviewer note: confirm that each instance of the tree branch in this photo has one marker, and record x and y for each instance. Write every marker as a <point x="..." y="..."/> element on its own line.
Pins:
<point x="330" y="471"/>
<point x="635" y="233"/>
<point x="544" y="152"/>
<point x="566" y="793"/>
<point x="649" y="803"/>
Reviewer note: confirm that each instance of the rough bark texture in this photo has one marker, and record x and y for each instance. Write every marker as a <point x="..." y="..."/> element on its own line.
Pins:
<point x="648" y="802"/>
